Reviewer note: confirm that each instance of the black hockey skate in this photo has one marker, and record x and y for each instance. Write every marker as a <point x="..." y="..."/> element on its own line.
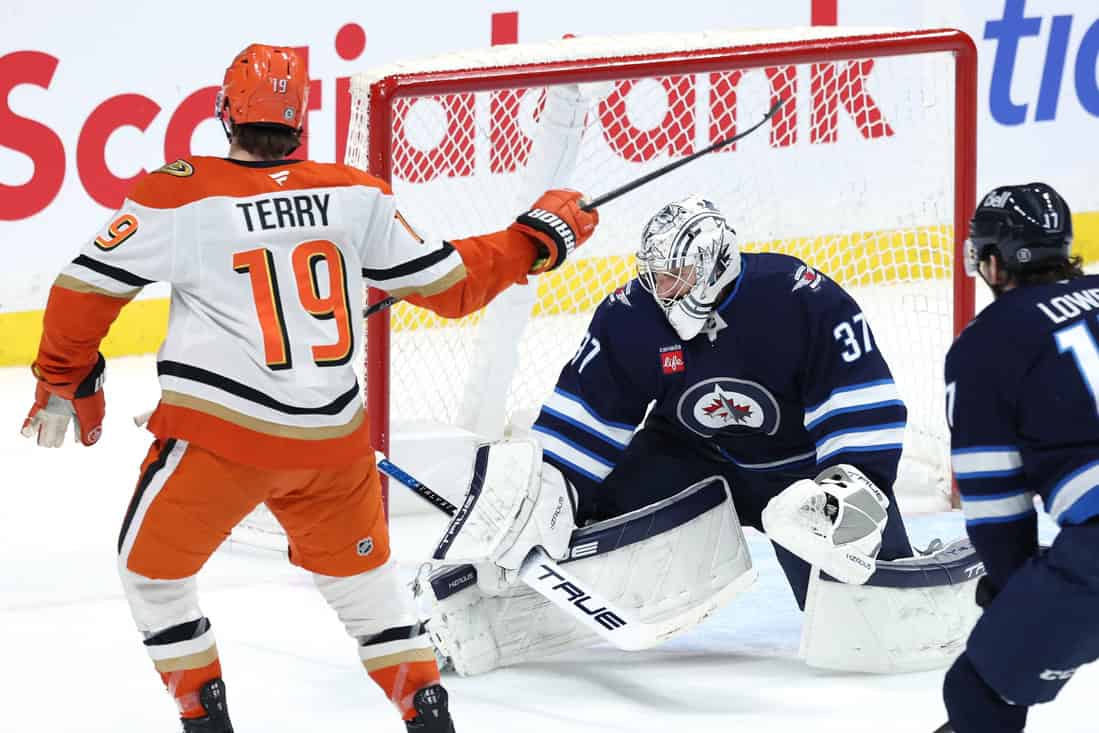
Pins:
<point x="212" y="698"/>
<point x="432" y="715"/>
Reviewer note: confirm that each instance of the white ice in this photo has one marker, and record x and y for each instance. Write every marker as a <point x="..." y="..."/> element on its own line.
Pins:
<point x="72" y="660"/>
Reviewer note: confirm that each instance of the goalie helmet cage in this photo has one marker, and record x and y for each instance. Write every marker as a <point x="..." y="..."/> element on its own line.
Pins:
<point x="867" y="173"/>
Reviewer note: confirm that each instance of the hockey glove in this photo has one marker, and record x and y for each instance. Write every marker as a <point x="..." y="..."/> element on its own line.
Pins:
<point x="55" y="405"/>
<point x="986" y="591"/>
<point x="834" y="522"/>
<point x="557" y="225"/>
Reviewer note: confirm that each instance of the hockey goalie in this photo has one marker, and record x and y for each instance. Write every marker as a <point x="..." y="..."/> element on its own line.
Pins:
<point x="715" y="390"/>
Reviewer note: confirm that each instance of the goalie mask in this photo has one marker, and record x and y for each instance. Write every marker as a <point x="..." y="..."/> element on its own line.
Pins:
<point x="688" y="256"/>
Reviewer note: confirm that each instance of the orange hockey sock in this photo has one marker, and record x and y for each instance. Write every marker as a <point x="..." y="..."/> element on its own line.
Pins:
<point x="187" y="658"/>
<point x="402" y="680"/>
<point x="184" y="684"/>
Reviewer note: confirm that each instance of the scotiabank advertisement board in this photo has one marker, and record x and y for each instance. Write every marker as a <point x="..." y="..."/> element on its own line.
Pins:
<point x="93" y="95"/>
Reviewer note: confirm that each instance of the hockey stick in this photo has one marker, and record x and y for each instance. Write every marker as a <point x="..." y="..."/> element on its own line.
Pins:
<point x="642" y="180"/>
<point x="576" y="597"/>
<point x="631" y="185"/>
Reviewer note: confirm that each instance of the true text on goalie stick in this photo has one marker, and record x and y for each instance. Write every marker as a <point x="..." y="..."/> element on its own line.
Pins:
<point x="627" y="187"/>
<point x="546" y="577"/>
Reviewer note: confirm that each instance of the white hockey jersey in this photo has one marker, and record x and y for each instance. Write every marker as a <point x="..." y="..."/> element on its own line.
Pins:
<point x="267" y="263"/>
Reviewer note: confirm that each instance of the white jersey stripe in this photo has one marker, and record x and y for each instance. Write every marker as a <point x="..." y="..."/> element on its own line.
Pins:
<point x="879" y="437"/>
<point x="978" y="509"/>
<point x="856" y="397"/>
<point x="1071" y="489"/>
<point x="571" y="409"/>
<point x="986" y="461"/>
<point x="572" y="455"/>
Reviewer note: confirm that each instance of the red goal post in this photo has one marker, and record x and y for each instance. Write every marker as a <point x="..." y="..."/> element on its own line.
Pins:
<point x="868" y="173"/>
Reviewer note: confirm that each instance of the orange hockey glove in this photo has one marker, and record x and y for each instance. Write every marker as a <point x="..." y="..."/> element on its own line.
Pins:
<point x="55" y="405"/>
<point x="557" y="225"/>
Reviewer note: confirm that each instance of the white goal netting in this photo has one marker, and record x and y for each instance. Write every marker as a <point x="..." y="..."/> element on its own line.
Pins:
<point x="857" y="174"/>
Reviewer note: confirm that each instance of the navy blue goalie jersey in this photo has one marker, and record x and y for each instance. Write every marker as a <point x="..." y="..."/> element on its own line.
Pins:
<point x="785" y="376"/>
<point x="1022" y="385"/>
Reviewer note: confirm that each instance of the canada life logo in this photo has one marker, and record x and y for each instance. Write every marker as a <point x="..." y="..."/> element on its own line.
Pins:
<point x="833" y="88"/>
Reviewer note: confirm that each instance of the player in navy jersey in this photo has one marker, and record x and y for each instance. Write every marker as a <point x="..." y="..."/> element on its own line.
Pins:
<point x="758" y="368"/>
<point x="1022" y="384"/>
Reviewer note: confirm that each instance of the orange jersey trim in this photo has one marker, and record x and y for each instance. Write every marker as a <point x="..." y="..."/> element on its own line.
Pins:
<point x="208" y="176"/>
<point x="239" y="444"/>
<point x="492" y="263"/>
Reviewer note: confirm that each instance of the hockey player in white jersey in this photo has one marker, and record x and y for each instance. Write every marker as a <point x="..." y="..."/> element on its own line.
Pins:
<point x="267" y="258"/>
<point x="719" y="388"/>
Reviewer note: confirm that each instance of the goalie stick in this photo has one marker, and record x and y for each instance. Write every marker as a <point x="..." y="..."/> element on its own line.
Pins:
<point x="629" y="186"/>
<point x="576" y="597"/>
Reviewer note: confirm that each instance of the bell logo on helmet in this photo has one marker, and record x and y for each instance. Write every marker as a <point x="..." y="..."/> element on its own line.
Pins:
<point x="997" y="200"/>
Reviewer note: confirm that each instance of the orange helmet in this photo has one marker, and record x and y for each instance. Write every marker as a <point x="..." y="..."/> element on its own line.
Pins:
<point x="264" y="84"/>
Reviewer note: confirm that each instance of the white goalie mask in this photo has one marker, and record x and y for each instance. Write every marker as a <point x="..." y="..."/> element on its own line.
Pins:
<point x="688" y="256"/>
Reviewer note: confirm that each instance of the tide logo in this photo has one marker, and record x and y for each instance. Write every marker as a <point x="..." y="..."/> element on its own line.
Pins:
<point x="1008" y="32"/>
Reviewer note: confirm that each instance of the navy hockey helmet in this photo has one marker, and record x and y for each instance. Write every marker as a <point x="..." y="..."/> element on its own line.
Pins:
<point x="1027" y="225"/>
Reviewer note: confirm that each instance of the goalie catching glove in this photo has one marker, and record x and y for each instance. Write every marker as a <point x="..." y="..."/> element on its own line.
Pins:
<point x="515" y="503"/>
<point x="557" y="225"/>
<point x="834" y="522"/>
<point x="55" y="404"/>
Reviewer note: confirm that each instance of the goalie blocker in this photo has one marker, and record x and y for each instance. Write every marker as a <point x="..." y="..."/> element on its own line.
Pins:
<point x="906" y="615"/>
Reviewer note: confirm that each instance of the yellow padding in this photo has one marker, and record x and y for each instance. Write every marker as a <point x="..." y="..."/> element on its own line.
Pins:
<point x="855" y="259"/>
<point x="139" y="330"/>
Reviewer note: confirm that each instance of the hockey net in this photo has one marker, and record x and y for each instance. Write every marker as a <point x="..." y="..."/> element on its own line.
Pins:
<point x="866" y="173"/>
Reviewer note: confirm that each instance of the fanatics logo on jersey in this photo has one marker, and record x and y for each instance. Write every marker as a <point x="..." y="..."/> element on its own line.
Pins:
<point x="806" y="276"/>
<point x="280" y="177"/>
<point x="671" y="359"/>
<point x="727" y="405"/>
<point x="365" y="546"/>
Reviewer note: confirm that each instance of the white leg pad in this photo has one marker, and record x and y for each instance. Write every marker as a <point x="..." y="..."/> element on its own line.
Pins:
<point x="912" y="615"/>
<point x="696" y="560"/>
<point x="160" y="604"/>
<point x="371" y="602"/>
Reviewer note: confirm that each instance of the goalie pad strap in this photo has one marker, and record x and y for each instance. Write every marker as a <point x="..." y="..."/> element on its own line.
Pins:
<point x="610" y="534"/>
<point x="913" y="614"/>
<point x="480" y="465"/>
<point x="954" y="564"/>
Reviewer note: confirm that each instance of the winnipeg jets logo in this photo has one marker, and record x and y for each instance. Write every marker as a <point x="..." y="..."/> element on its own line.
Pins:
<point x="621" y="295"/>
<point x="723" y="408"/>
<point x="806" y="276"/>
<point x="724" y="404"/>
<point x="714" y="324"/>
<point x="279" y="177"/>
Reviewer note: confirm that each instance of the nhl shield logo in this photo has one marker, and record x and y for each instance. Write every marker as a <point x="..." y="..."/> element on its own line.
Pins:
<point x="724" y="404"/>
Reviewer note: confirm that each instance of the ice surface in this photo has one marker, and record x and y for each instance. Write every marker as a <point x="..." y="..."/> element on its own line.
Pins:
<point x="73" y="662"/>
